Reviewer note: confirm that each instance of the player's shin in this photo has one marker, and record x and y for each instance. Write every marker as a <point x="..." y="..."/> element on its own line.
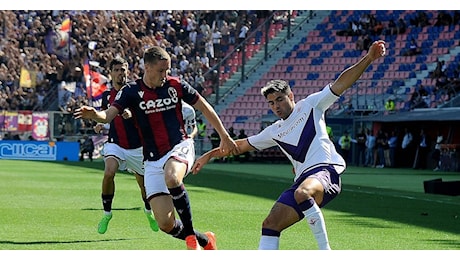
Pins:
<point x="315" y="220"/>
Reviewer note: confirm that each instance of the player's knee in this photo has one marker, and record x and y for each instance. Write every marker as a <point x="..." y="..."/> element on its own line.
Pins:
<point x="302" y="194"/>
<point x="171" y="180"/>
<point x="109" y="174"/>
<point x="268" y="223"/>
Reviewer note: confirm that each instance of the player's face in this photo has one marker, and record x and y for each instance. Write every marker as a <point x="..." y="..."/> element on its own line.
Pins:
<point x="119" y="74"/>
<point x="157" y="72"/>
<point x="281" y="104"/>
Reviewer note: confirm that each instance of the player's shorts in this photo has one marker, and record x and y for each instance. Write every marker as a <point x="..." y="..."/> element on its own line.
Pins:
<point x="154" y="179"/>
<point x="328" y="177"/>
<point x="128" y="159"/>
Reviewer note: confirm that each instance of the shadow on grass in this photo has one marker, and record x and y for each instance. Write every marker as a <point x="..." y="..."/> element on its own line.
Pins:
<point x="425" y="210"/>
<point x="60" y="242"/>
<point x="434" y="212"/>
<point x="114" y="209"/>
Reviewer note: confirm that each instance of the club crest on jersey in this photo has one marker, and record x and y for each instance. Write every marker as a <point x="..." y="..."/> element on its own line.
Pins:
<point x="172" y="92"/>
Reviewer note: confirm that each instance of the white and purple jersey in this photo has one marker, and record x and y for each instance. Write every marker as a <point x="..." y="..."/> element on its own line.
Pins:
<point x="188" y="112"/>
<point x="302" y="136"/>
<point x="157" y="113"/>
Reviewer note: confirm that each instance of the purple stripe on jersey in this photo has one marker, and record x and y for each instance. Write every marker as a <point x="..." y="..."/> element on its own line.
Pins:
<point x="299" y="151"/>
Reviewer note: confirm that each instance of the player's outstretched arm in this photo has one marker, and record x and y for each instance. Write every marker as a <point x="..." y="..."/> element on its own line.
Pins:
<point x="349" y="76"/>
<point x="227" y="144"/>
<point x="204" y="159"/>
<point x="242" y="147"/>
<point x="87" y="112"/>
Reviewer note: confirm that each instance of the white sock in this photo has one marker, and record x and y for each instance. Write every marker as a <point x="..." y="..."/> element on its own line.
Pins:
<point x="317" y="225"/>
<point x="107" y="212"/>
<point x="269" y="243"/>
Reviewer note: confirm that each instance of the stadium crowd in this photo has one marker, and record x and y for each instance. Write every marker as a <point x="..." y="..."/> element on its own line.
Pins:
<point x="32" y="40"/>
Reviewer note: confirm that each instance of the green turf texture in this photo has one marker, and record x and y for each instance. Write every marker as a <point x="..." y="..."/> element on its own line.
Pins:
<point x="57" y="206"/>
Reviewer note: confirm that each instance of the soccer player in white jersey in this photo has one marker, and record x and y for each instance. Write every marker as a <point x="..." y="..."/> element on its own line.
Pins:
<point x="302" y="136"/>
<point x="188" y="113"/>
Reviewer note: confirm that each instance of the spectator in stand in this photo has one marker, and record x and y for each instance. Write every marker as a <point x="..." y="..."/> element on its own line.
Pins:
<point x="413" y="48"/>
<point x="356" y="28"/>
<point x="401" y="26"/>
<point x="379" y="156"/>
<point x="378" y="28"/>
<point x="87" y="147"/>
<point x="345" y="145"/>
<point x="390" y="105"/>
<point x="200" y="82"/>
<point x="361" y="147"/>
<point x="225" y="30"/>
<point x="386" y="150"/>
<point x="360" y="43"/>
<point x="443" y="19"/>
<point x="437" y="72"/>
<point x="437" y="152"/>
<point x="407" y="152"/>
<point x="243" y="32"/>
<point x="216" y="41"/>
<point x="456" y="17"/>
<point x="122" y="33"/>
<point x="421" y="19"/>
<point x="391" y="28"/>
<point x="422" y="151"/>
<point x="393" y="145"/>
<point x="367" y="42"/>
<point x="184" y="64"/>
<point x="205" y="29"/>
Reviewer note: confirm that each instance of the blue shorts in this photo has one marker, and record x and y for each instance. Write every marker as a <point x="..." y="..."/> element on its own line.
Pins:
<point x="328" y="177"/>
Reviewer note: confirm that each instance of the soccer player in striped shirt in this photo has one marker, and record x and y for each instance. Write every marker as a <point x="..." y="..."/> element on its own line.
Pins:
<point x="155" y="103"/>
<point x="123" y="149"/>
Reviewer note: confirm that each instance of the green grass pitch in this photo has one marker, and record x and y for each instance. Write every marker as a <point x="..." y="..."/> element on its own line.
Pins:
<point x="56" y="206"/>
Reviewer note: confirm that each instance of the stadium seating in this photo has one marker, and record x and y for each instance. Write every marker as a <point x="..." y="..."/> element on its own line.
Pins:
<point x="321" y="55"/>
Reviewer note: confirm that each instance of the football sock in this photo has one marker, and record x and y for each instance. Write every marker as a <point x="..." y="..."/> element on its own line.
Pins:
<point x="202" y="238"/>
<point x="107" y="202"/>
<point x="147" y="205"/>
<point x="316" y="222"/>
<point x="178" y="230"/>
<point x="270" y="239"/>
<point x="182" y="205"/>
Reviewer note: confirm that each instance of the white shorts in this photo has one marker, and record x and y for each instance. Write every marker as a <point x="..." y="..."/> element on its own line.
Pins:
<point x="154" y="179"/>
<point x="128" y="159"/>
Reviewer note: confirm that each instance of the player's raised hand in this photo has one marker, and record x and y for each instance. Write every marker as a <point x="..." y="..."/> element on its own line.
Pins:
<point x="377" y="50"/>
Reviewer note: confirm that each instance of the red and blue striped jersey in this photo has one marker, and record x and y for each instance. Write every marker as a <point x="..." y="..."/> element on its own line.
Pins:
<point x="157" y="113"/>
<point x="122" y="131"/>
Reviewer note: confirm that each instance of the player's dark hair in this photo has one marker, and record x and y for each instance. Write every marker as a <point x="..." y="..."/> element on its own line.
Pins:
<point x="275" y="85"/>
<point x="117" y="61"/>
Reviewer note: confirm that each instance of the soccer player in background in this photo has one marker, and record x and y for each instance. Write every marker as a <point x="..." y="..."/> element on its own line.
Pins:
<point x="189" y="115"/>
<point x="155" y="103"/>
<point x="301" y="134"/>
<point x="123" y="149"/>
